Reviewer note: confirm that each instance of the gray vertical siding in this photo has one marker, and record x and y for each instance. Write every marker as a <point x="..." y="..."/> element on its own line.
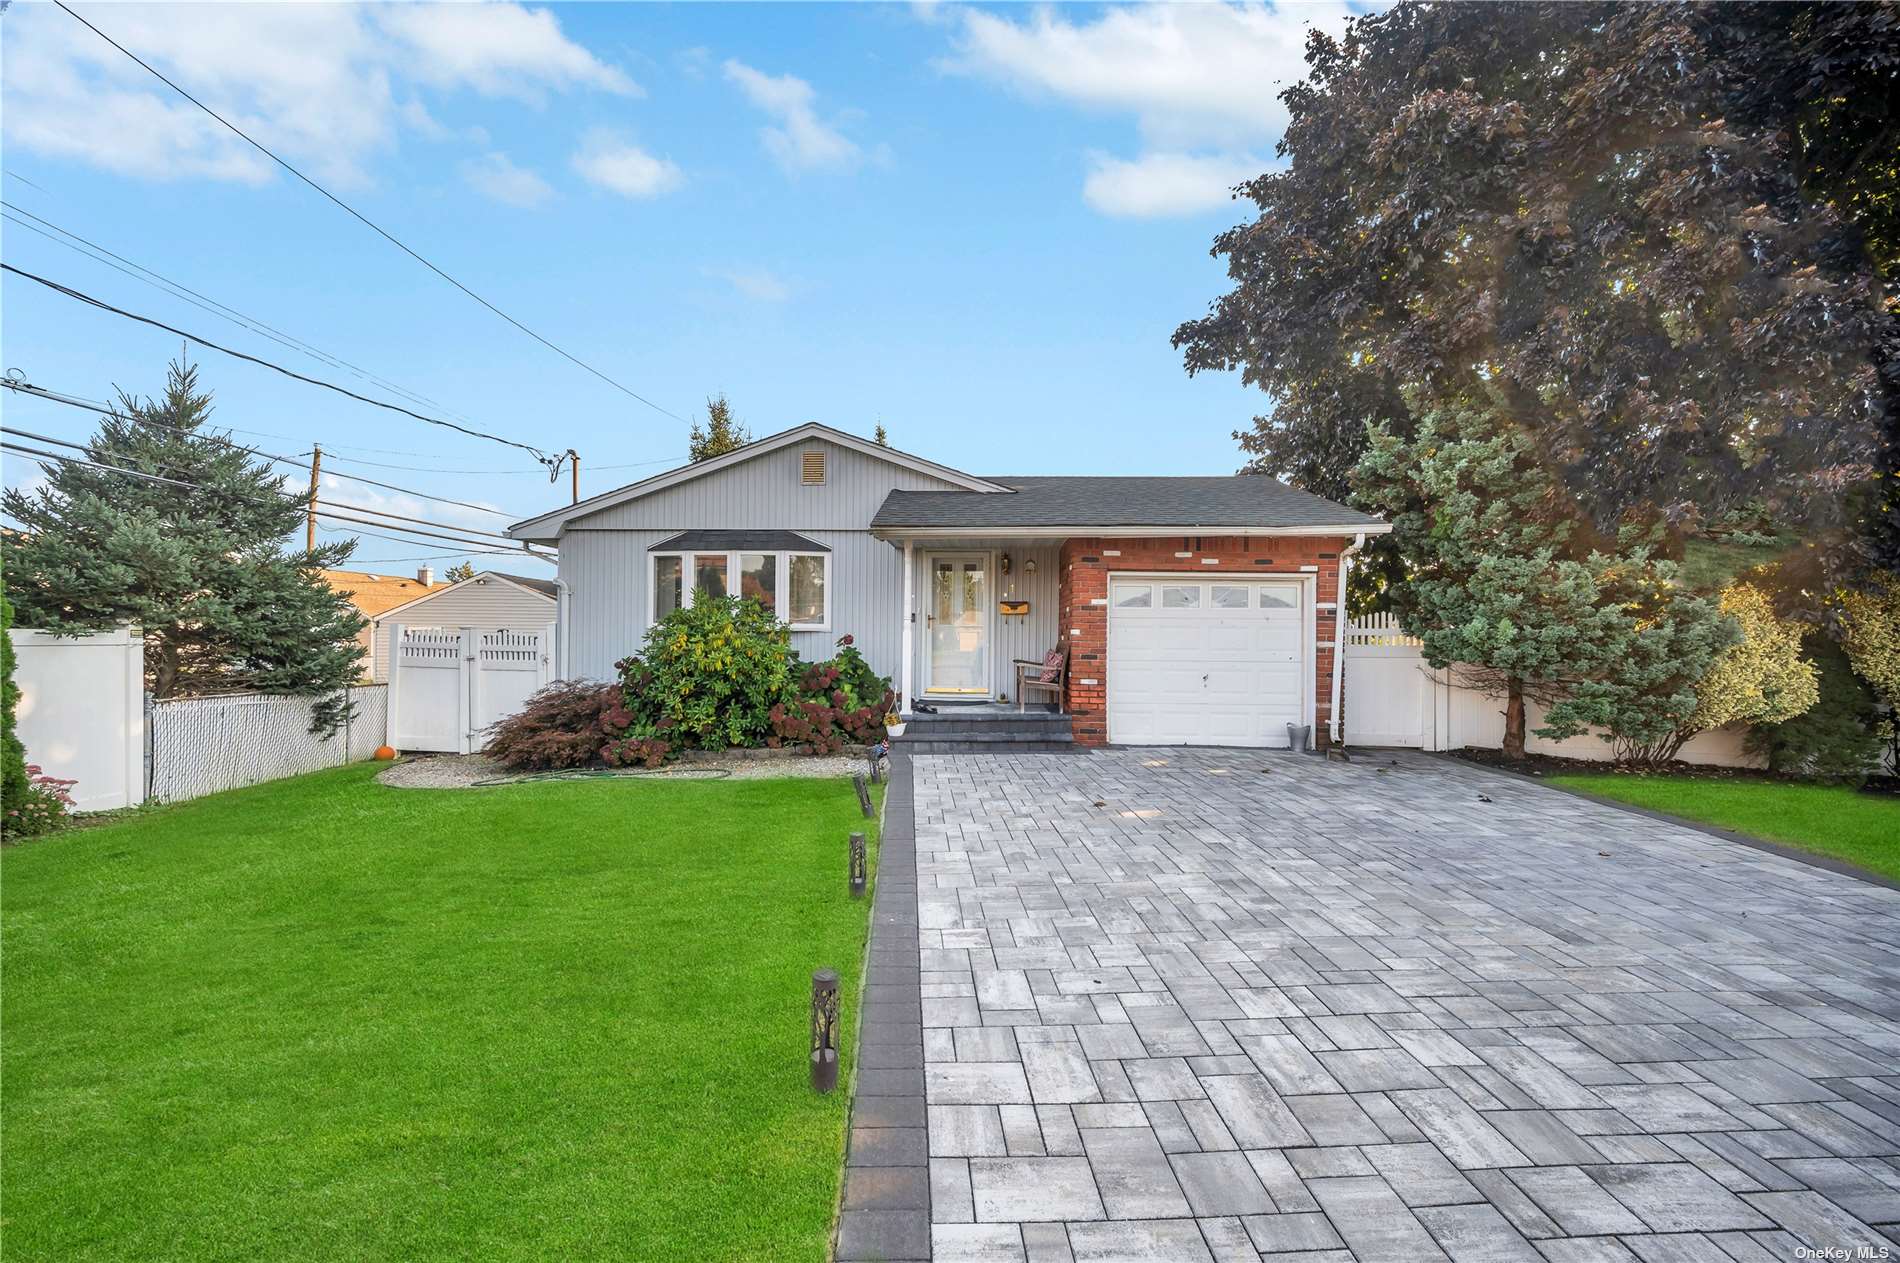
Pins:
<point x="606" y="574"/>
<point x="765" y="493"/>
<point x="1028" y="636"/>
<point x="604" y="560"/>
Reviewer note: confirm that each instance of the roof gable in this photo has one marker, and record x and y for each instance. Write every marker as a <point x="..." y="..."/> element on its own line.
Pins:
<point x="541" y="588"/>
<point x="548" y="525"/>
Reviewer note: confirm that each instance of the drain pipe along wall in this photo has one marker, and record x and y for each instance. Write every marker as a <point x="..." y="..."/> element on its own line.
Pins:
<point x="1339" y="628"/>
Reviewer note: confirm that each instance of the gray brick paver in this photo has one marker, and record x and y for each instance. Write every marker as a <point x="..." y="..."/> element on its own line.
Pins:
<point x="1311" y="1001"/>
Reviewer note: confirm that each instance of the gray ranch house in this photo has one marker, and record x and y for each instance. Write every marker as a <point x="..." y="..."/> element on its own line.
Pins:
<point x="1192" y="611"/>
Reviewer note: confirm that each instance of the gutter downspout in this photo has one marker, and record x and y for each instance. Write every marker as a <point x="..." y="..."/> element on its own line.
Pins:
<point x="561" y="630"/>
<point x="1339" y="629"/>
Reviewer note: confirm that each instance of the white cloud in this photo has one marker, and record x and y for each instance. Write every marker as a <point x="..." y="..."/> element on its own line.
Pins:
<point x="757" y="284"/>
<point x="622" y="167"/>
<point x="1159" y="184"/>
<point x="497" y="50"/>
<point x="496" y="176"/>
<point x="1201" y="81"/>
<point x="315" y="82"/>
<point x="799" y="141"/>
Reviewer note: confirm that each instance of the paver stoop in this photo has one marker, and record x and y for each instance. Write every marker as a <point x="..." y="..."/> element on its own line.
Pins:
<point x="1231" y="1004"/>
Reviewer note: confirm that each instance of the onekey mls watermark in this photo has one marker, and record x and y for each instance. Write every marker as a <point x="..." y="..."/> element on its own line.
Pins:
<point x="1843" y="1253"/>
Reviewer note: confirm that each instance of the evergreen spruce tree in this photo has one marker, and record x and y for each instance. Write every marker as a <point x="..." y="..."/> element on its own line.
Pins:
<point x="199" y="562"/>
<point x="721" y="434"/>
<point x="460" y="571"/>
<point x="1508" y="584"/>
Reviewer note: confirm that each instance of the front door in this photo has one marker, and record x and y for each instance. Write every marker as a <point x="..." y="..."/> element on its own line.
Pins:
<point x="958" y="618"/>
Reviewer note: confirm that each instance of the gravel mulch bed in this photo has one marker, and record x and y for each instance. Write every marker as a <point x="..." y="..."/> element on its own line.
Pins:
<point x="466" y="771"/>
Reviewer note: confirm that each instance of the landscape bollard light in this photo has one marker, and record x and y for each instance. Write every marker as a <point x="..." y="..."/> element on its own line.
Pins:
<point x="824" y="1030"/>
<point x="858" y="874"/>
<point x="864" y="795"/>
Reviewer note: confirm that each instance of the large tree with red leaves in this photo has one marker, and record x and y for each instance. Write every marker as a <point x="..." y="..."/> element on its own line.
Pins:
<point x="1658" y="237"/>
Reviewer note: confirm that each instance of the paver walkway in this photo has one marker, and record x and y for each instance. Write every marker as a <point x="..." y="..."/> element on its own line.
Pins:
<point x="1192" y="1005"/>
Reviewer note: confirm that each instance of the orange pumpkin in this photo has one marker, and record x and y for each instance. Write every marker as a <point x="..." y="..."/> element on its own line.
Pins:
<point x="385" y="752"/>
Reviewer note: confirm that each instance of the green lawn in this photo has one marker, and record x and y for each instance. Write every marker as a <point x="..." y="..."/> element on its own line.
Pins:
<point x="326" y="1019"/>
<point x="1861" y="828"/>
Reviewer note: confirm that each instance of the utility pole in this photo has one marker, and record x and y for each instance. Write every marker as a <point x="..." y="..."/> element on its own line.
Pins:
<point x="574" y="467"/>
<point x="310" y="514"/>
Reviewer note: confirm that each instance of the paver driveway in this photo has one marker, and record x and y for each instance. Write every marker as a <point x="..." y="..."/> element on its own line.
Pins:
<point x="1190" y="1005"/>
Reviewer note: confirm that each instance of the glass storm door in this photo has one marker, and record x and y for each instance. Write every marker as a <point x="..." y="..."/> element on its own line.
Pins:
<point x="959" y="623"/>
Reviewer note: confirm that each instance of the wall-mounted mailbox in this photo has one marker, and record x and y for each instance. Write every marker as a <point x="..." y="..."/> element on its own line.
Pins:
<point x="1012" y="608"/>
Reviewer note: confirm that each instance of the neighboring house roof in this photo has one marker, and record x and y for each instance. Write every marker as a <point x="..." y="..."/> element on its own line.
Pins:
<point x="1245" y="501"/>
<point x="538" y="587"/>
<point x="541" y="527"/>
<point x="546" y="587"/>
<point x="739" y="541"/>
<point x="376" y="594"/>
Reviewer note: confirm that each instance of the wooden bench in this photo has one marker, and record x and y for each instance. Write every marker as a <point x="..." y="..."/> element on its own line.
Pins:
<point x="1029" y="676"/>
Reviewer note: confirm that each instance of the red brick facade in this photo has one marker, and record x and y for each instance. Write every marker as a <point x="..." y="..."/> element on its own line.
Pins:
<point x="1087" y="564"/>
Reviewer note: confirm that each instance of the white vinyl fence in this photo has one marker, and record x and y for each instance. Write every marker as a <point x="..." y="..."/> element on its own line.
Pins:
<point x="449" y="685"/>
<point x="201" y="745"/>
<point x="82" y="712"/>
<point x="1395" y="698"/>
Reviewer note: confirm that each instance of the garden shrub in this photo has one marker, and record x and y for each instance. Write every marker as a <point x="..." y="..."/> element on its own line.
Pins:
<point x="837" y="701"/>
<point x="31" y="803"/>
<point x="1838" y="739"/>
<point x="708" y="677"/>
<point x="567" y="724"/>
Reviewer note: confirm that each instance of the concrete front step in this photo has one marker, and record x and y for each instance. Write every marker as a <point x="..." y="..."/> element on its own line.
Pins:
<point x="955" y="744"/>
<point x="1000" y="727"/>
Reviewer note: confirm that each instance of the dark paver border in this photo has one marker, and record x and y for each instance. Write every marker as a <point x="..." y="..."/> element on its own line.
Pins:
<point x="886" y="1200"/>
<point x="1813" y="859"/>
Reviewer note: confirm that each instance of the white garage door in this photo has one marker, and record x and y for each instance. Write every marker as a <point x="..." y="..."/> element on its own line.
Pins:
<point x="1205" y="661"/>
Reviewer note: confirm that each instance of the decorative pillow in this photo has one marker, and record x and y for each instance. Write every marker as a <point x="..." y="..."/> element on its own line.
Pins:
<point x="1051" y="666"/>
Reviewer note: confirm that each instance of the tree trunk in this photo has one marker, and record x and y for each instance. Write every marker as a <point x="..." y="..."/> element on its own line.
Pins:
<point x="1514" y="720"/>
<point x="165" y="667"/>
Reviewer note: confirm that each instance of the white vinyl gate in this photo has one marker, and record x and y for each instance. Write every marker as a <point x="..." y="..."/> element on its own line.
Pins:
<point x="1393" y="697"/>
<point x="449" y="685"/>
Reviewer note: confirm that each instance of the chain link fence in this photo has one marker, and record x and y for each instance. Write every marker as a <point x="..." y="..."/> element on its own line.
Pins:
<point x="200" y="745"/>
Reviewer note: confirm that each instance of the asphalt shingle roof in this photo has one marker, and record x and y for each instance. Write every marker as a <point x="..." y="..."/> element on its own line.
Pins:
<point x="544" y="586"/>
<point x="1252" y="500"/>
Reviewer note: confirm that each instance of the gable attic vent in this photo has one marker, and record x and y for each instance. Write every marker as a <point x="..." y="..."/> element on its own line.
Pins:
<point x="811" y="470"/>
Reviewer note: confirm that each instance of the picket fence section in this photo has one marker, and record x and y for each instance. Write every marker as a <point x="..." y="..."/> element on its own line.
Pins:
<point x="1395" y="698"/>
<point x="201" y="745"/>
<point x="450" y="685"/>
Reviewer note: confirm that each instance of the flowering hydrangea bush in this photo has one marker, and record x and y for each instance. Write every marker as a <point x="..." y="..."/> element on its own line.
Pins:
<point x="837" y="701"/>
<point x="44" y="806"/>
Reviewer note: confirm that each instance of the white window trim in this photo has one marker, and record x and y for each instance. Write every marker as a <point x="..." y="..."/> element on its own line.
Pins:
<point x="782" y="576"/>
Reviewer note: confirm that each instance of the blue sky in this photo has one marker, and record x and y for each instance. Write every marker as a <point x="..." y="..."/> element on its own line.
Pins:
<point x="976" y="225"/>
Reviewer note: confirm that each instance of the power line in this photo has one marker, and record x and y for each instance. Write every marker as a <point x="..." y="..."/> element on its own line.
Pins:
<point x="366" y="222"/>
<point x="397" y="539"/>
<point x="177" y="289"/>
<point x="431" y="469"/>
<point x="296" y="462"/>
<point x="462" y="536"/>
<point x="102" y="305"/>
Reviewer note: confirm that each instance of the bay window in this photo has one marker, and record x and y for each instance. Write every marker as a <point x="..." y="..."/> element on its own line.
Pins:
<point x="794" y="586"/>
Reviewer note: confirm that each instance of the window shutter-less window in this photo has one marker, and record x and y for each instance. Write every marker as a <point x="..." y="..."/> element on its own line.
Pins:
<point x="812" y="471"/>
